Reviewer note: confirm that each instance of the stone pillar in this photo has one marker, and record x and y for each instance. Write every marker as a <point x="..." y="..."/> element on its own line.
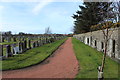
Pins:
<point x="8" y="50"/>
<point x="1" y="50"/>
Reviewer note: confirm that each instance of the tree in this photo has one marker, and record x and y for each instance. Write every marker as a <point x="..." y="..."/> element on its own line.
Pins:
<point x="117" y="10"/>
<point x="48" y="30"/>
<point x="88" y="15"/>
<point x="107" y="26"/>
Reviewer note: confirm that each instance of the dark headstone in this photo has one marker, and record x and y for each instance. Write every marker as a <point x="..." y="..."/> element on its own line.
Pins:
<point x="8" y="50"/>
<point x="25" y="44"/>
<point x="33" y="44"/>
<point x="22" y="45"/>
<point x="3" y="39"/>
<point x="29" y="44"/>
<point x="1" y="50"/>
<point x="14" y="39"/>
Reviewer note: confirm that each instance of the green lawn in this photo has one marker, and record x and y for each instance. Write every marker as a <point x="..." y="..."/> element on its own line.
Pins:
<point x="89" y="59"/>
<point x="30" y="57"/>
<point x="7" y="43"/>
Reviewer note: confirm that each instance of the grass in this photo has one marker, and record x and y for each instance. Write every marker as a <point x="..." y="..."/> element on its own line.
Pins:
<point x="89" y="59"/>
<point x="30" y="57"/>
<point x="7" y="43"/>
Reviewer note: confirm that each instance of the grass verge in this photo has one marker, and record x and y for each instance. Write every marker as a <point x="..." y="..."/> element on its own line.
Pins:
<point x="30" y="57"/>
<point x="89" y="59"/>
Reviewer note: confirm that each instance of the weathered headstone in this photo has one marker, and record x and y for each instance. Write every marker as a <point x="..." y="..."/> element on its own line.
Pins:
<point x="1" y="50"/>
<point x="33" y="44"/>
<point x="20" y="46"/>
<point x="8" y="51"/>
<point x="8" y="39"/>
<point x="29" y="44"/>
<point x="13" y="45"/>
<point x="14" y="39"/>
<point x="3" y="39"/>
<point x="16" y="50"/>
<point x="25" y="44"/>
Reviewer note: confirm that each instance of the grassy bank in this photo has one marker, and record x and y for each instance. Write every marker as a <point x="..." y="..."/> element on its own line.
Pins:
<point x="89" y="59"/>
<point x="30" y="57"/>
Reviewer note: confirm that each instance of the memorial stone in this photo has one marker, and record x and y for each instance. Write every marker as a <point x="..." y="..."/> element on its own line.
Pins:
<point x="8" y="50"/>
<point x="1" y="50"/>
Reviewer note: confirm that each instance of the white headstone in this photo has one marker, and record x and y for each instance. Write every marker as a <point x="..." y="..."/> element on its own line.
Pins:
<point x="16" y="49"/>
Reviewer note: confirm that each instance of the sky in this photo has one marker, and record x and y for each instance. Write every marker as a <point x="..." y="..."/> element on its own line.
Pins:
<point x="34" y="17"/>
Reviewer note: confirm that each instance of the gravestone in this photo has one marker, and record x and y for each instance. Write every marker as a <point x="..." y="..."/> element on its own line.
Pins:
<point x="20" y="46"/>
<point x="8" y="51"/>
<point x="13" y="45"/>
<point x="1" y="50"/>
<point x="29" y="44"/>
<point x="25" y="44"/>
<point x="8" y="39"/>
<point x="37" y="43"/>
<point x="33" y="44"/>
<point x="14" y="39"/>
<point x="3" y="39"/>
<point x="16" y="50"/>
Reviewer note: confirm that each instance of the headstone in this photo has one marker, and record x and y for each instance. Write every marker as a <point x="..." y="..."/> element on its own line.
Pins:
<point x="1" y="50"/>
<point x="25" y="44"/>
<point x="37" y="43"/>
<point x="16" y="50"/>
<point x="33" y="44"/>
<point x="3" y="39"/>
<point x="8" y="39"/>
<point x="20" y="46"/>
<point x="13" y="45"/>
<point x="14" y="39"/>
<point x="8" y="51"/>
<point x="29" y="44"/>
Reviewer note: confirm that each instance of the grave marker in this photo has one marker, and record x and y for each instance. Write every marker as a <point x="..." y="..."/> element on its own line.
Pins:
<point x="8" y="51"/>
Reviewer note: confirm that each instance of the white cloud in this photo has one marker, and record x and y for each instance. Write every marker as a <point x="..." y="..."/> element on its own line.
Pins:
<point x="41" y="5"/>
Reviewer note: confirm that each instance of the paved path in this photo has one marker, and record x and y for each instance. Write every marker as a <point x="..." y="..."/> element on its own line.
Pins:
<point x="62" y="64"/>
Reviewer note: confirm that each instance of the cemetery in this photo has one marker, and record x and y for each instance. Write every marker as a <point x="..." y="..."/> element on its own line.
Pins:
<point x="83" y="44"/>
<point x="22" y="48"/>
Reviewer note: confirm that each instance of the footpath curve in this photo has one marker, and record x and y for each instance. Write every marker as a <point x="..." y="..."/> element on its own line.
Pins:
<point x="62" y="64"/>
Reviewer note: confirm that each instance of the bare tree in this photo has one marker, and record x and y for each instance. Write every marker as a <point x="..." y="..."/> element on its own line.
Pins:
<point x="48" y="30"/>
<point x="107" y="27"/>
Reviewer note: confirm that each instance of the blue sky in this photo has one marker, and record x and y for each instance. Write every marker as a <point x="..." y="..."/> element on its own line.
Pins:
<point x="34" y="17"/>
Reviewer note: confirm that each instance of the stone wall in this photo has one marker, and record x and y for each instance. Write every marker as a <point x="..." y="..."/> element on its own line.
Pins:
<point x="96" y="40"/>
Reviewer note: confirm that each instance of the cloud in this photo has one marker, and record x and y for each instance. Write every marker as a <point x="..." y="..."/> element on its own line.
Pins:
<point x="40" y="6"/>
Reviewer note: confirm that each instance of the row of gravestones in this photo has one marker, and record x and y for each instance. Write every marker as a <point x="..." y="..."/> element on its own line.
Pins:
<point x="25" y="45"/>
<point x="19" y="38"/>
